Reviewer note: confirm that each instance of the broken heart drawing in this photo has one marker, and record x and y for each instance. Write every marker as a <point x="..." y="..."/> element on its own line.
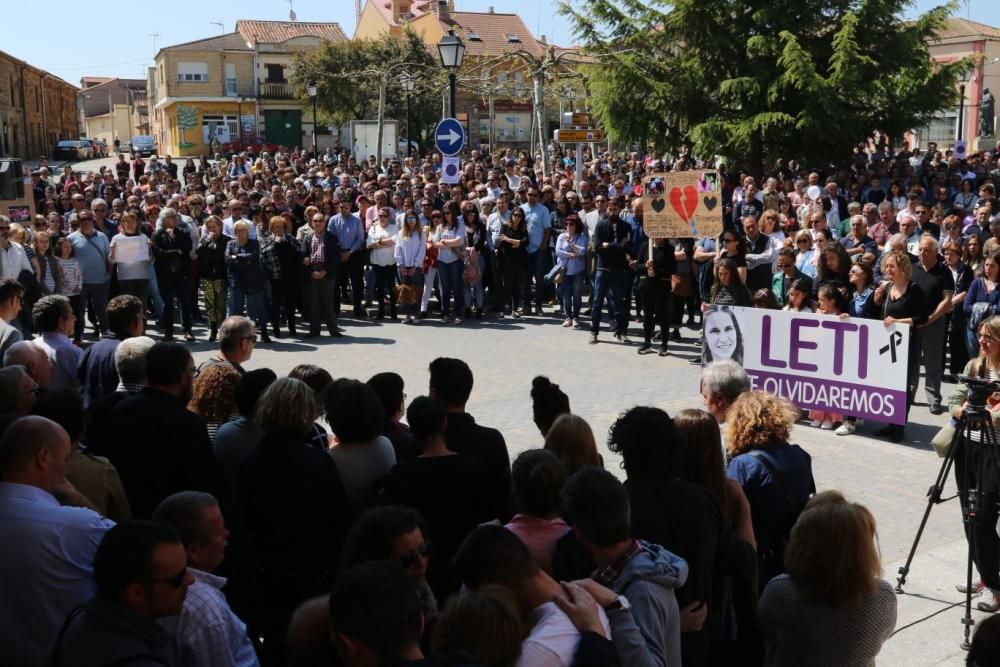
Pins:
<point x="684" y="201"/>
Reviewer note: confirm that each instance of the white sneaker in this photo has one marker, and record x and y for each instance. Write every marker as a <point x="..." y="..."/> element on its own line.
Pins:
<point x="815" y="423"/>
<point x="976" y="587"/>
<point x="567" y="323"/>
<point x="827" y="425"/>
<point x="847" y="428"/>
<point x="988" y="601"/>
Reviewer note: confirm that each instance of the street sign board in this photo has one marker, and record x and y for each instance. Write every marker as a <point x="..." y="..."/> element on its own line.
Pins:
<point x="579" y="136"/>
<point x="449" y="136"/>
<point x="581" y="119"/>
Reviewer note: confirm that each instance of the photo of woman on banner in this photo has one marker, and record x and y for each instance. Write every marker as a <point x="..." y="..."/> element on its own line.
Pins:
<point x="723" y="335"/>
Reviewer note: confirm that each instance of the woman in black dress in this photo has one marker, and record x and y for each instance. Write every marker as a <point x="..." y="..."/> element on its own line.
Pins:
<point x="512" y="245"/>
<point x="902" y="302"/>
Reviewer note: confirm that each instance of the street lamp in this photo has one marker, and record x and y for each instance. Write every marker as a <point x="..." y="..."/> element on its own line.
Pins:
<point x="313" y="92"/>
<point x="452" y="50"/>
<point x="967" y="77"/>
<point x="408" y="85"/>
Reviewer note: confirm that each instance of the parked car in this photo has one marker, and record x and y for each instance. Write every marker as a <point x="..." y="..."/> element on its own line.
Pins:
<point x="100" y="148"/>
<point x="143" y="145"/>
<point x="91" y="151"/>
<point x="72" y="150"/>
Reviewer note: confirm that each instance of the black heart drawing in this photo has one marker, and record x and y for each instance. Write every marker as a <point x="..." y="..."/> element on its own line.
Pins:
<point x="710" y="202"/>
<point x="658" y="204"/>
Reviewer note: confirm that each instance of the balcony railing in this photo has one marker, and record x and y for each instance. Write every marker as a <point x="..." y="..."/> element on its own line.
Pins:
<point x="277" y="91"/>
<point x="235" y="88"/>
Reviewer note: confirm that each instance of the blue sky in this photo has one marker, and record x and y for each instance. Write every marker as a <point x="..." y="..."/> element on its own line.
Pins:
<point x="112" y="37"/>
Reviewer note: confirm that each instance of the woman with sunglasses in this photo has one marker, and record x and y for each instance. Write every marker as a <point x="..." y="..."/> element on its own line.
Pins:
<point x="410" y="250"/>
<point x="512" y="245"/>
<point x="733" y="246"/>
<point x="975" y="468"/>
<point x="449" y="239"/>
<point x="381" y="246"/>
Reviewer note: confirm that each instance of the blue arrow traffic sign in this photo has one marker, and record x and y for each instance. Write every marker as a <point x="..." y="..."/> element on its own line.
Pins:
<point x="449" y="136"/>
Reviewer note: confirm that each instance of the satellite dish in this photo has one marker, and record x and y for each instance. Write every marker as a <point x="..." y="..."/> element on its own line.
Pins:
<point x="291" y="15"/>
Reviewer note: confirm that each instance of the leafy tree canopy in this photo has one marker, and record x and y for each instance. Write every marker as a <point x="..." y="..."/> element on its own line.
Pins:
<point x="347" y="75"/>
<point x="760" y="79"/>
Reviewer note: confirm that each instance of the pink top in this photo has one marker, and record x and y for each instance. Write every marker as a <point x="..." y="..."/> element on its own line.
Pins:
<point x="539" y="535"/>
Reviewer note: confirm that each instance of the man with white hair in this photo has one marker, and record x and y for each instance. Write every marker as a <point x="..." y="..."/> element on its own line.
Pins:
<point x="936" y="282"/>
<point x="130" y="362"/>
<point x="13" y="259"/>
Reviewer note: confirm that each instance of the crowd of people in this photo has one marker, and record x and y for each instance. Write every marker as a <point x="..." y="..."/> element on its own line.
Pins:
<point x="173" y="513"/>
<point x="155" y="511"/>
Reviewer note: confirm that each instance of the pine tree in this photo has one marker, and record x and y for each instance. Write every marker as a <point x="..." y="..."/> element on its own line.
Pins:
<point x="754" y="81"/>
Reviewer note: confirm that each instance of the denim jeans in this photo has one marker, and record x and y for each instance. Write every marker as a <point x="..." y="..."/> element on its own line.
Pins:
<point x="474" y="293"/>
<point x="154" y="292"/>
<point x="450" y="275"/>
<point x="609" y="284"/>
<point x="572" y="294"/>
<point x="97" y="293"/>
<point x="175" y="286"/>
<point x="536" y="270"/>
<point x="972" y="343"/>
<point x="256" y="303"/>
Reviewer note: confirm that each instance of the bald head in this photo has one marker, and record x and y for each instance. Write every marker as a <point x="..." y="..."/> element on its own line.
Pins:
<point x="34" y="450"/>
<point x="33" y="358"/>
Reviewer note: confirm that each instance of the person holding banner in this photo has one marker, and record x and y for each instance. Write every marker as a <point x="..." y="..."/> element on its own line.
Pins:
<point x="902" y="302"/>
<point x="655" y="276"/>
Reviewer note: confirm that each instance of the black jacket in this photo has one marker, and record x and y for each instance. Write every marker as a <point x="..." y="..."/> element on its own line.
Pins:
<point x="212" y="257"/>
<point x="173" y="253"/>
<point x="465" y="436"/>
<point x="616" y="234"/>
<point x="664" y="261"/>
<point x="331" y="253"/>
<point x="159" y="447"/>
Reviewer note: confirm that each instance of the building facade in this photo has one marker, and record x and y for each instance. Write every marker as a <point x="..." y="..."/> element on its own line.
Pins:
<point x="960" y="39"/>
<point x="112" y="109"/>
<point x="234" y="88"/>
<point x="37" y="110"/>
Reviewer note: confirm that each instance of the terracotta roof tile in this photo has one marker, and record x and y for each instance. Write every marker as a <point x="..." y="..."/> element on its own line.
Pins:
<point x="492" y="31"/>
<point x="231" y="41"/>
<point x="276" y="32"/>
<point x="955" y="28"/>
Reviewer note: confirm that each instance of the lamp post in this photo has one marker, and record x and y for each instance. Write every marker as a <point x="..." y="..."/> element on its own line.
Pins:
<point x="451" y="49"/>
<point x="408" y="85"/>
<point x="966" y="78"/>
<point x="313" y="92"/>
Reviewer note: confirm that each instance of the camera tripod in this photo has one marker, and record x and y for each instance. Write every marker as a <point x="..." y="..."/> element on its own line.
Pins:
<point x="976" y="418"/>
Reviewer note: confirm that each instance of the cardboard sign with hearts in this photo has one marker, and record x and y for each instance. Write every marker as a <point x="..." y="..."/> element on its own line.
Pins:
<point x="682" y="204"/>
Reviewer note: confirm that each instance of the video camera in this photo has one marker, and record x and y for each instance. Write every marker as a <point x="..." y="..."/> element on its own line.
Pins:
<point x="979" y="389"/>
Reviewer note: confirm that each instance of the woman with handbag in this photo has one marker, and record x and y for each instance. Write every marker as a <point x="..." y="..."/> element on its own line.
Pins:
<point x="981" y="301"/>
<point x="975" y="468"/>
<point x="410" y="251"/>
<point x="571" y="256"/>
<point x="475" y="261"/>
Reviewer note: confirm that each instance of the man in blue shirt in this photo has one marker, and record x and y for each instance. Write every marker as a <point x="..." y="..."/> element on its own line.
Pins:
<point x="46" y="550"/>
<point x="91" y="249"/>
<point x="539" y="223"/>
<point x="350" y="234"/>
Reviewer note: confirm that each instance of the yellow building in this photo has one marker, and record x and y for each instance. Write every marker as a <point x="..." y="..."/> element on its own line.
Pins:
<point x="203" y="90"/>
<point x="234" y="87"/>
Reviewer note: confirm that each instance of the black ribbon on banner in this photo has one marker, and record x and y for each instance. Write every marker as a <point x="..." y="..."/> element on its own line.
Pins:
<point x="895" y="338"/>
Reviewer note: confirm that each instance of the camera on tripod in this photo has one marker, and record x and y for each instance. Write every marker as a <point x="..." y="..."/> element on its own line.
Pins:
<point x="980" y="390"/>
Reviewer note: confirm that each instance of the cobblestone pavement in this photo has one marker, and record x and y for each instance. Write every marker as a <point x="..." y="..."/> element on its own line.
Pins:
<point x="604" y="379"/>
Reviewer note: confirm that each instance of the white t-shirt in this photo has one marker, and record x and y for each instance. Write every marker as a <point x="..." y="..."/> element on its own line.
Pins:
<point x="553" y="638"/>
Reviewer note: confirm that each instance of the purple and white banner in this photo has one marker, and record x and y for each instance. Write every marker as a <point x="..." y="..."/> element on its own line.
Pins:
<point x="851" y="366"/>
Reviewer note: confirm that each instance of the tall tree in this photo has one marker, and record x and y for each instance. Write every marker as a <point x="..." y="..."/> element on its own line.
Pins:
<point x="757" y="80"/>
<point x="348" y="76"/>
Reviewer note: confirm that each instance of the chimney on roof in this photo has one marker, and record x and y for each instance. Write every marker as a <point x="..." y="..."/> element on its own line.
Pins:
<point x="489" y="10"/>
<point x="543" y="40"/>
<point x="441" y="9"/>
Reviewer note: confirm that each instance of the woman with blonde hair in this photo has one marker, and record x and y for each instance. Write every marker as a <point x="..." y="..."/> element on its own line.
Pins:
<point x="976" y="468"/>
<point x="572" y="440"/>
<point x="833" y="607"/>
<point x="901" y="301"/>
<point x="776" y="476"/>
